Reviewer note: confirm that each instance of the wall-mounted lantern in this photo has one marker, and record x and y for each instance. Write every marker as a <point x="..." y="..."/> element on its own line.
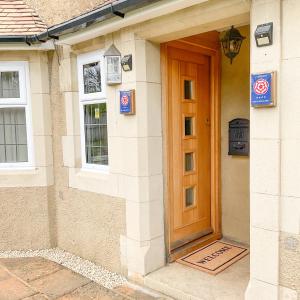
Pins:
<point x="127" y="63"/>
<point x="113" y="65"/>
<point x="231" y="43"/>
<point x="264" y="34"/>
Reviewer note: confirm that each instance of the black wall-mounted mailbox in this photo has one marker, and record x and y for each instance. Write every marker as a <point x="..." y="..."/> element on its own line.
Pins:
<point x="239" y="137"/>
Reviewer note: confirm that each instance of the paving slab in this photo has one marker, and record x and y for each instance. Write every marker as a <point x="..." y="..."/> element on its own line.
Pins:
<point x="37" y="278"/>
<point x="36" y="297"/>
<point x="30" y="268"/>
<point x="59" y="283"/>
<point x="3" y="274"/>
<point x="13" y="289"/>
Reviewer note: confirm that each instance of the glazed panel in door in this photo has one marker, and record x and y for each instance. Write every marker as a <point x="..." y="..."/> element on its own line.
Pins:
<point x="190" y="157"/>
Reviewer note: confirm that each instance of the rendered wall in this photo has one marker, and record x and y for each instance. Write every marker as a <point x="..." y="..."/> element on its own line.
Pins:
<point x="235" y="169"/>
<point x="25" y="195"/>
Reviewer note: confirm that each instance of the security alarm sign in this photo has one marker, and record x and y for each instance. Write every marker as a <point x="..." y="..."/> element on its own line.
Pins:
<point x="127" y="102"/>
<point x="263" y="89"/>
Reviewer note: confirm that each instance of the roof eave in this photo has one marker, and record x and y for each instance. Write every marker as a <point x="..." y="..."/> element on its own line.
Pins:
<point x="103" y="13"/>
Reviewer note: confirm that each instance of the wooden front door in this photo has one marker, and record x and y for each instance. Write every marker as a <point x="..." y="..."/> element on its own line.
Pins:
<point x="189" y="146"/>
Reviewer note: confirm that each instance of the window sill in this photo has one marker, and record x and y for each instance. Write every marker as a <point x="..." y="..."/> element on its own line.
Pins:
<point x="96" y="181"/>
<point x="17" y="169"/>
<point x="93" y="172"/>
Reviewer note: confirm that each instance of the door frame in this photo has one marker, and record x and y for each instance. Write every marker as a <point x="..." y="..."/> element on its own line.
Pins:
<point x="212" y="49"/>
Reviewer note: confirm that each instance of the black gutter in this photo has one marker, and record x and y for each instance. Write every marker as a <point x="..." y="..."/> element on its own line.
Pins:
<point x="118" y="8"/>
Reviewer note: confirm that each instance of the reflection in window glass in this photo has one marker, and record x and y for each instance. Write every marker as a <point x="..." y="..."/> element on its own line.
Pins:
<point x="188" y="126"/>
<point x="189" y="196"/>
<point x="188" y="89"/>
<point x="189" y="161"/>
<point x="9" y="85"/>
<point x="92" y="78"/>
<point x="13" y="135"/>
<point x="95" y="127"/>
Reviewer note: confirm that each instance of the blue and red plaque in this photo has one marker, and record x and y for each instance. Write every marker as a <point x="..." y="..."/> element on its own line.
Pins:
<point x="263" y="89"/>
<point x="127" y="102"/>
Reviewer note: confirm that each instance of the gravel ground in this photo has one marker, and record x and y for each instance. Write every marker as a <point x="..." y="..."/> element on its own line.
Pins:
<point x="84" y="267"/>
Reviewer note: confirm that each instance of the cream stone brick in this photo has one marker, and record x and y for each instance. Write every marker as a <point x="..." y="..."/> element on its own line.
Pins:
<point x="155" y="156"/>
<point x="144" y="257"/>
<point x="39" y="79"/>
<point x="130" y="154"/>
<point x="144" y="220"/>
<point x="264" y="123"/>
<point x="264" y="166"/>
<point x="41" y="114"/>
<point x="113" y="114"/>
<point x="126" y="48"/>
<point x="287" y="294"/>
<point x="43" y="150"/>
<point x="153" y="72"/>
<point x="72" y="113"/>
<point x="41" y="176"/>
<point x="150" y="106"/>
<point x="290" y="162"/>
<point x="261" y="290"/>
<point x="115" y="155"/>
<point x="122" y="125"/>
<point x="127" y="34"/>
<point x="89" y="46"/>
<point x="68" y="81"/>
<point x="141" y="156"/>
<point x="142" y="189"/>
<point x="94" y="181"/>
<point x="264" y="12"/>
<point x="264" y="264"/>
<point x="290" y="25"/>
<point x="77" y="149"/>
<point x="290" y="98"/>
<point x="264" y="210"/>
<point x="290" y="215"/>
<point x="140" y="60"/>
<point x="68" y="148"/>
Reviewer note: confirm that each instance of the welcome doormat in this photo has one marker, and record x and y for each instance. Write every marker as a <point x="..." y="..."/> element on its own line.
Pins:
<point x="214" y="257"/>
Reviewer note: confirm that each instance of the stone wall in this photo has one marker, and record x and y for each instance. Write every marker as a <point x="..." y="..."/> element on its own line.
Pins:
<point x="87" y="224"/>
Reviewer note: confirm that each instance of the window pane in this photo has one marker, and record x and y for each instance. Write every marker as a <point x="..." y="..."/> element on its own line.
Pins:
<point x="189" y="196"/>
<point x="189" y="161"/>
<point x="188" y="89"/>
<point x="9" y="85"/>
<point x="188" y="126"/>
<point x="95" y="126"/>
<point x="13" y="135"/>
<point x="92" y="78"/>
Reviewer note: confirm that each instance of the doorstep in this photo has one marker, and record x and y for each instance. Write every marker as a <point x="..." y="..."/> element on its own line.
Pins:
<point x="185" y="283"/>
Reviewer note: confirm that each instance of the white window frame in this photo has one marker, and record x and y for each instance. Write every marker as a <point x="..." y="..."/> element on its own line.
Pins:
<point x="91" y="98"/>
<point x="23" y="101"/>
